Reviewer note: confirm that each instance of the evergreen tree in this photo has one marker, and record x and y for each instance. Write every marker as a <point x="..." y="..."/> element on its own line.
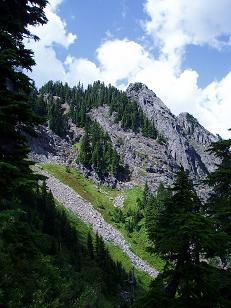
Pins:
<point x="40" y="253"/>
<point x="15" y="111"/>
<point x="146" y="196"/>
<point x="85" y="155"/>
<point x="218" y="206"/>
<point x="96" y="152"/>
<point x="114" y="162"/>
<point x="56" y="119"/>
<point x="90" y="246"/>
<point x="151" y="213"/>
<point x="162" y="195"/>
<point x="183" y="236"/>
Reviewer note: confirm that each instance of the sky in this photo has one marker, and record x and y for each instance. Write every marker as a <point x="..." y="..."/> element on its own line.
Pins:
<point x="180" y="49"/>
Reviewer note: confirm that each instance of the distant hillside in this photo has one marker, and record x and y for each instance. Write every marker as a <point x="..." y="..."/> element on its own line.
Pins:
<point x="151" y="142"/>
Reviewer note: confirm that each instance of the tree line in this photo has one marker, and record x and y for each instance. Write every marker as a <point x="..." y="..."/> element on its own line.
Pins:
<point x="82" y="101"/>
<point x="194" y="240"/>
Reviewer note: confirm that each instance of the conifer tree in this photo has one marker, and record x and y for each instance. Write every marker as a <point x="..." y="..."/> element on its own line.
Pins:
<point x="183" y="236"/>
<point x="85" y="155"/>
<point x="114" y="162"/>
<point x="15" y="87"/>
<point x="146" y="196"/>
<point x="151" y="217"/>
<point x="218" y="206"/>
<point x="56" y="119"/>
<point x="90" y="246"/>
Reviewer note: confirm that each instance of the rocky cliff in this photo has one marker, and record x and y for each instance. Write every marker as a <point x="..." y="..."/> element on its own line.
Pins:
<point x="47" y="147"/>
<point x="187" y="141"/>
<point x="181" y="140"/>
<point x="184" y="141"/>
<point x="199" y="138"/>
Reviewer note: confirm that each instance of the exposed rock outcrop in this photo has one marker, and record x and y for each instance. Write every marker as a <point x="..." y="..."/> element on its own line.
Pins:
<point x="187" y="149"/>
<point x="184" y="142"/>
<point x="48" y="147"/>
<point x="147" y="159"/>
<point x="199" y="138"/>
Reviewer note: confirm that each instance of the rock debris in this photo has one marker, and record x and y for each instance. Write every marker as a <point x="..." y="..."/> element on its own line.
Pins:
<point x="85" y="211"/>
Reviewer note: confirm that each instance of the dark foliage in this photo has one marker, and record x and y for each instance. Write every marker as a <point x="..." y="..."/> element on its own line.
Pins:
<point x="96" y="152"/>
<point x="45" y="261"/>
<point x="184" y="236"/>
<point x="82" y="101"/>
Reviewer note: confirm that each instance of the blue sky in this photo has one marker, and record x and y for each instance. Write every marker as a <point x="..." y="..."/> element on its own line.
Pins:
<point x="180" y="49"/>
<point x="97" y="20"/>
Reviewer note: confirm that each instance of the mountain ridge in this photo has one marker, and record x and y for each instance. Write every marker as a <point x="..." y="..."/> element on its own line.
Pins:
<point x="179" y="140"/>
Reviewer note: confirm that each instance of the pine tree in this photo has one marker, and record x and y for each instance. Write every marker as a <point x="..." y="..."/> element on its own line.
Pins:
<point x="56" y="119"/>
<point x="146" y="196"/>
<point x="151" y="217"/>
<point x="101" y="253"/>
<point x="90" y="246"/>
<point x="162" y="195"/>
<point x="183" y="236"/>
<point x="85" y="155"/>
<point x="97" y="158"/>
<point x="218" y="206"/>
<point x="15" y="111"/>
<point x="114" y="163"/>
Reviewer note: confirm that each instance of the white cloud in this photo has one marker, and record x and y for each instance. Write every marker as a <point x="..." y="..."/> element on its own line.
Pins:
<point x="215" y="107"/>
<point x="54" y="32"/>
<point x="172" y="25"/>
<point x="54" y="4"/>
<point x="120" y="59"/>
<point x="84" y="71"/>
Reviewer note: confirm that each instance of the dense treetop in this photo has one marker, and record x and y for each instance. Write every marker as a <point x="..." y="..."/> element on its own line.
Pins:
<point x="82" y="101"/>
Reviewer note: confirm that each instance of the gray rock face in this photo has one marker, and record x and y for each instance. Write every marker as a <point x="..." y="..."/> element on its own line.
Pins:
<point x="199" y="138"/>
<point x="187" y="149"/>
<point x="119" y="201"/>
<point x="48" y="147"/>
<point x="186" y="144"/>
<point x="147" y="159"/>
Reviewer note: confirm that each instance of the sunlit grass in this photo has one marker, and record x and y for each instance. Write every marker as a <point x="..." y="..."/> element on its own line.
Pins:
<point x="102" y="199"/>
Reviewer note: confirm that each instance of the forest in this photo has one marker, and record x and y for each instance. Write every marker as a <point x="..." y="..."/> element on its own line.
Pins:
<point x="45" y="261"/>
<point x="82" y="100"/>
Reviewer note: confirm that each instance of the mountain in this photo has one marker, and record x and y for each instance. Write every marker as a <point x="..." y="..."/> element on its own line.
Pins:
<point x="124" y="116"/>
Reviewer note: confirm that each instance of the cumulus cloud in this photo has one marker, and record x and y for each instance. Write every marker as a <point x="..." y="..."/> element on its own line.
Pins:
<point x="215" y="106"/>
<point x="175" y="24"/>
<point x="172" y="25"/>
<point x="120" y="59"/>
<point x="54" y="32"/>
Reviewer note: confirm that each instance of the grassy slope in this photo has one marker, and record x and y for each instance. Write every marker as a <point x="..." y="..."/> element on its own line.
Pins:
<point x="143" y="280"/>
<point x="102" y="200"/>
<point x="76" y="146"/>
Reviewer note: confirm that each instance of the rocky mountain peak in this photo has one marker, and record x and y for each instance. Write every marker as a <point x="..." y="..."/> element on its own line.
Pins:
<point x="186" y="140"/>
<point x="193" y="128"/>
<point x="137" y="86"/>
